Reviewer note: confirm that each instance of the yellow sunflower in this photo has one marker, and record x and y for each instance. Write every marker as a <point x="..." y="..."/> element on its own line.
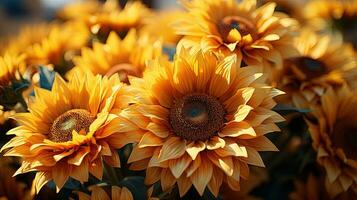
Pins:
<point x="116" y="193"/>
<point x="324" y="61"/>
<point x="202" y="121"/>
<point x="10" y="66"/>
<point x="338" y="15"/>
<point x="334" y="138"/>
<point x="161" y="25"/>
<point x="123" y="56"/>
<point x="260" y="35"/>
<point x="111" y="17"/>
<point x="70" y="130"/>
<point x="27" y="37"/>
<point x="61" y="44"/>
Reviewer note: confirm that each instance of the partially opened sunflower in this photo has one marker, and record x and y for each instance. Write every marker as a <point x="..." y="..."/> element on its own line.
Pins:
<point x="324" y="61"/>
<point x="334" y="138"/>
<point x="259" y="35"/>
<point x="116" y="193"/>
<point x="123" y="56"/>
<point x="202" y="121"/>
<point x="70" y="130"/>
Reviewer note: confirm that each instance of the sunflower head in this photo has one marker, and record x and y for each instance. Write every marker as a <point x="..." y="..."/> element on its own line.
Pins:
<point x="10" y="66"/>
<point x="259" y="35"/>
<point x="119" y="56"/>
<point x="324" y="61"/>
<point x="69" y="131"/>
<point x="202" y="121"/>
<point x="334" y="135"/>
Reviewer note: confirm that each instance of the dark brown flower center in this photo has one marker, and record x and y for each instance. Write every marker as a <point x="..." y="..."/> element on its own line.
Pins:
<point x="197" y="117"/>
<point x="344" y="136"/>
<point x="62" y="127"/>
<point x="243" y="25"/>
<point x="307" y="68"/>
<point x="123" y="70"/>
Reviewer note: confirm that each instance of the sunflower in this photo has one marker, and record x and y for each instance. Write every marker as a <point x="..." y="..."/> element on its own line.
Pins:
<point x="260" y="35"/>
<point x="28" y="36"/>
<point x="10" y="188"/>
<point x="10" y="66"/>
<point x="70" y="130"/>
<point x="334" y="134"/>
<point x="338" y="15"/>
<point x="324" y="61"/>
<point x="202" y="121"/>
<point x="123" y="56"/>
<point x="116" y="193"/>
<point x="111" y="17"/>
<point x="160" y="25"/>
<point x="61" y="44"/>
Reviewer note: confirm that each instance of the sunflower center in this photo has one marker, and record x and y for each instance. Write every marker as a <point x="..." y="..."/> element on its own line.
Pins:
<point x="123" y="70"/>
<point x="62" y="127"/>
<point x="241" y="24"/>
<point x="197" y="117"/>
<point x="344" y="136"/>
<point x="308" y="68"/>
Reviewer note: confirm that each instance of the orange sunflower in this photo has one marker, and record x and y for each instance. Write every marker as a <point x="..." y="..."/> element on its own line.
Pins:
<point x="340" y="15"/>
<point x="116" y="193"/>
<point x="123" y="56"/>
<point x="324" y="61"/>
<point x="202" y="121"/>
<point x="334" y="138"/>
<point x="70" y="130"/>
<point x="260" y="35"/>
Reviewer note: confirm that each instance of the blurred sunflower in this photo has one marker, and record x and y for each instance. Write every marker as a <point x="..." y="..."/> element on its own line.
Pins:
<point x="308" y="190"/>
<point x="202" y="121"/>
<point x="79" y="10"/>
<point x="70" y="130"/>
<point x="112" y="18"/>
<point x="10" y="188"/>
<point x="57" y="49"/>
<point x="259" y="35"/>
<point x="338" y="15"/>
<point x="324" y="61"/>
<point x="10" y="66"/>
<point x="27" y="37"/>
<point x="160" y="25"/>
<point x="116" y="193"/>
<point x="123" y="56"/>
<point x="334" y="138"/>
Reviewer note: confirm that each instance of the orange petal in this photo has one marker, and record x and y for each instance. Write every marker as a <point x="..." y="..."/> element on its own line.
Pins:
<point x="194" y="148"/>
<point x="173" y="148"/>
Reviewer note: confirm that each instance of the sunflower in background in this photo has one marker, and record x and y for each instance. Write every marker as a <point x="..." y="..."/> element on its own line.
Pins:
<point x="71" y="130"/>
<point x="116" y="193"/>
<point x="10" y="188"/>
<point x="340" y="15"/>
<point x="202" y="121"/>
<point x="324" y="61"/>
<point x="119" y="56"/>
<point x="333" y="131"/>
<point x="161" y="26"/>
<point x="258" y="35"/>
<point x="59" y="47"/>
<point x="290" y="7"/>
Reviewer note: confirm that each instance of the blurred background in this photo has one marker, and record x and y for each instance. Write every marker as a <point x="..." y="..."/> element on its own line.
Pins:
<point x="16" y="13"/>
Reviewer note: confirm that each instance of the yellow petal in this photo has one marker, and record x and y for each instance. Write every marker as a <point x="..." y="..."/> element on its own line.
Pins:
<point x="194" y="148"/>
<point x="179" y="165"/>
<point x="172" y="148"/>
<point x="201" y="177"/>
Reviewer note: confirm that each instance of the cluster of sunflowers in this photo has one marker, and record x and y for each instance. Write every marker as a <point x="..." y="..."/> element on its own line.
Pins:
<point x="121" y="103"/>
